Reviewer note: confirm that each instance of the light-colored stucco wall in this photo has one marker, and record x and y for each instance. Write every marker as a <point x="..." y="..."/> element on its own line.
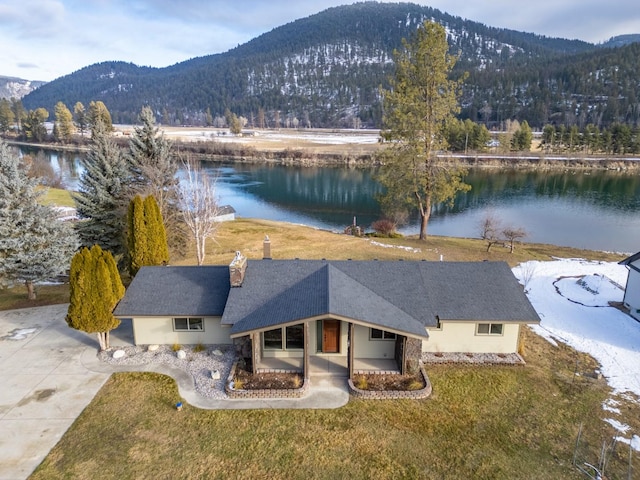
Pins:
<point x="632" y="291"/>
<point x="368" y="348"/>
<point x="159" y="330"/>
<point x="462" y="337"/>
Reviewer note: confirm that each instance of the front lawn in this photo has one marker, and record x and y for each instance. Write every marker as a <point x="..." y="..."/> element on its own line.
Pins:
<point x="481" y="422"/>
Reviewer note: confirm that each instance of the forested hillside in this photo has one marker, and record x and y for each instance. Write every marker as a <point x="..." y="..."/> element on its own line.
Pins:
<point x="326" y="71"/>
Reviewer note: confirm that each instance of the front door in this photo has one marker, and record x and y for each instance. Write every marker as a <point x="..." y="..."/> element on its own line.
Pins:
<point x="330" y="336"/>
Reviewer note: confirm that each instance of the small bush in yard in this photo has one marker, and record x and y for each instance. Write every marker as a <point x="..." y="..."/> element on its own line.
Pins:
<point x="384" y="226"/>
<point x="176" y="346"/>
<point x="361" y="382"/>
<point x="199" y="348"/>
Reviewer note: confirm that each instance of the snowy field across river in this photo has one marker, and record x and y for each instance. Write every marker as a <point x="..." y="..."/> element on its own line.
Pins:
<point x="572" y="299"/>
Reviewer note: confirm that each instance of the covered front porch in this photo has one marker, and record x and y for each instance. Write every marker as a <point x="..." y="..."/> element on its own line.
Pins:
<point x="333" y="347"/>
<point x="335" y="366"/>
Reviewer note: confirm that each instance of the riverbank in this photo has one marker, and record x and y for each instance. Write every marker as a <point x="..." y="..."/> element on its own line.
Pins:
<point x="335" y="148"/>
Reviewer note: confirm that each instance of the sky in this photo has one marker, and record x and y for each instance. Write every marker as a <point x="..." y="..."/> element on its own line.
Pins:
<point x="47" y="39"/>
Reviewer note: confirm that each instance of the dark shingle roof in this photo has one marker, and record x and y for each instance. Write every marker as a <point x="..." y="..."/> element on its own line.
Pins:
<point x="402" y="296"/>
<point x="399" y="296"/>
<point x="173" y="291"/>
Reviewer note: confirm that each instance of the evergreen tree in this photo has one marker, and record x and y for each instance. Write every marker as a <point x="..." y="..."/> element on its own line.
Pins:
<point x="34" y="244"/>
<point x="80" y="117"/>
<point x="103" y="195"/>
<point x="157" y="248"/>
<point x="7" y="117"/>
<point x="33" y="125"/>
<point x="64" y="122"/>
<point x="522" y="138"/>
<point x="95" y="289"/>
<point x="417" y="109"/>
<point x="136" y="235"/>
<point x="147" y="239"/>
<point x="99" y="117"/>
<point x="154" y="173"/>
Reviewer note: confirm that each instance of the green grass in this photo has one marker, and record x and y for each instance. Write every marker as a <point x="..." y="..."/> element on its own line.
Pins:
<point x="480" y="422"/>
<point x="58" y="197"/>
<point x="296" y="241"/>
<point x="494" y="423"/>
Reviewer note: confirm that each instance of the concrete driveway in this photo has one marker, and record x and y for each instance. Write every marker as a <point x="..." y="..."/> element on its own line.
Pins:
<point x="43" y="384"/>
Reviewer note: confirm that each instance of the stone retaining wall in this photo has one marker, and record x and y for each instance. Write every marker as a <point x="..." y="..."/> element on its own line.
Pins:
<point x="267" y="393"/>
<point x="393" y="394"/>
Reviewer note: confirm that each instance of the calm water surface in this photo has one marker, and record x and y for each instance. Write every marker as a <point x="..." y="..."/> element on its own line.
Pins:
<point x="599" y="210"/>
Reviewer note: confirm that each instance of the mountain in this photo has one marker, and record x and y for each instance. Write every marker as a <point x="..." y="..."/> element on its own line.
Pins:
<point x="622" y="40"/>
<point x="325" y="71"/>
<point x="12" y="87"/>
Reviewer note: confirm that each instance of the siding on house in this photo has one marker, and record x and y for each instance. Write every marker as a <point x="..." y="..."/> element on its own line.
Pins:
<point x="159" y="330"/>
<point x="461" y="337"/>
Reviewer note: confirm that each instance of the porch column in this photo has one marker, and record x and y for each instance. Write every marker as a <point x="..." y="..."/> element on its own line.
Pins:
<point x="412" y="355"/>
<point x="255" y="351"/>
<point x="305" y="365"/>
<point x="350" y="350"/>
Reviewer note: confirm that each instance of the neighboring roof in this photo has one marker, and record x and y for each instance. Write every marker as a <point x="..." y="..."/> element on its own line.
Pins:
<point x="226" y="210"/>
<point x="630" y="259"/>
<point x="401" y="296"/>
<point x="176" y="291"/>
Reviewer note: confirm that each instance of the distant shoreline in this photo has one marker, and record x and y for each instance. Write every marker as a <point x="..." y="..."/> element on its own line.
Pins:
<point x="330" y="149"/>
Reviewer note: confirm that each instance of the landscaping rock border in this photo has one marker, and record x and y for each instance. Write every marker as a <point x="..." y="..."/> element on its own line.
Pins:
<point x="393" y="394"/>
<point x="266" y="393"/>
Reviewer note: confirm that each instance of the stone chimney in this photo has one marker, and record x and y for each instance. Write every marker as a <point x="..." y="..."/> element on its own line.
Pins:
<point x="237" y="268"/>
<point x="266" y="248"/>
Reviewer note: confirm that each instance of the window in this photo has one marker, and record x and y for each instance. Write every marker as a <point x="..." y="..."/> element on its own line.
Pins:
<point x="376" y="334"/>
<point x="489" y="329"/>
<point x="273" y="339"/>
<point x="293" y="338"/>
<point x="188" y="324"/>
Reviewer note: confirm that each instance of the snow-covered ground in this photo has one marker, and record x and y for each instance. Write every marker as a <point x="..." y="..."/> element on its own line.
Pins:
<point x="572" y="299"/>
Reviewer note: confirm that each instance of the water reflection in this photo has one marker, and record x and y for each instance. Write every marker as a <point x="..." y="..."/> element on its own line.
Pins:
<point x="598" y="210"/>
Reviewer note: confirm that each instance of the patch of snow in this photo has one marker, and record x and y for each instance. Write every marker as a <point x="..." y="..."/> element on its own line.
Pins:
<point x="634" y="441"/>
<point x="621" y="427"/>
<point x="19" y="334"/>
<point x="401" y="247"/>
<point x="606" y="333"/>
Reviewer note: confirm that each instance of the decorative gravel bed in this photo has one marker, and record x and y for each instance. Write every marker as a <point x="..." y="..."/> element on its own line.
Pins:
<point x="200" y="364"/>
<point x="474" y="358"/>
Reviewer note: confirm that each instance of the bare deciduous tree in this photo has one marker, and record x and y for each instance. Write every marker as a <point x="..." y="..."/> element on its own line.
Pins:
<point x="490" y="230"/>
<point x="199" y="206"/>
<point x="512" y="235"/>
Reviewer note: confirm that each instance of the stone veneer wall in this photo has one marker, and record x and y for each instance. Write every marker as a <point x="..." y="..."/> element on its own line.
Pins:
<point x="393" y="394"/>
<point x="268" y="393"/>
<point x="412" y="355"/>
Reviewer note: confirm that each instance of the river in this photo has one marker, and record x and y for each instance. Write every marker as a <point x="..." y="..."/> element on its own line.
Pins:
<point x="598" y="210"/>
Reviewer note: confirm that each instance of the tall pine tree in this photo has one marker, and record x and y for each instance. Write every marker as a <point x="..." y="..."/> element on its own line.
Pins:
<point x="102" y="195"/>
<point x="418" y="107"/>
<point x="34" y="244"/>
<point x="154" y="171"/>
<point x="95" y="289"/>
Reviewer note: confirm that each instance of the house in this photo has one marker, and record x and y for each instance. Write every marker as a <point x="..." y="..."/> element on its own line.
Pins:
<point x="226" y="213"/>
<point x="345" y="315"/>
<point x="632" y="290"/>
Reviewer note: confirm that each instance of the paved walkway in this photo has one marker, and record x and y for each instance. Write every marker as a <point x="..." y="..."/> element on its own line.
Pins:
<point x="49" y="373"/>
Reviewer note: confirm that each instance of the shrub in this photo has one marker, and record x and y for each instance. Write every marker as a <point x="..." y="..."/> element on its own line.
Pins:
<point x="199" y="348"/>
<point x="238" y="384"/>
<point x="176" y="346"/>
<point x="297" y="381"/>
<point x="415" y="385"/>
<point x="361" y="382"/>
<point x="384" y="226"/>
